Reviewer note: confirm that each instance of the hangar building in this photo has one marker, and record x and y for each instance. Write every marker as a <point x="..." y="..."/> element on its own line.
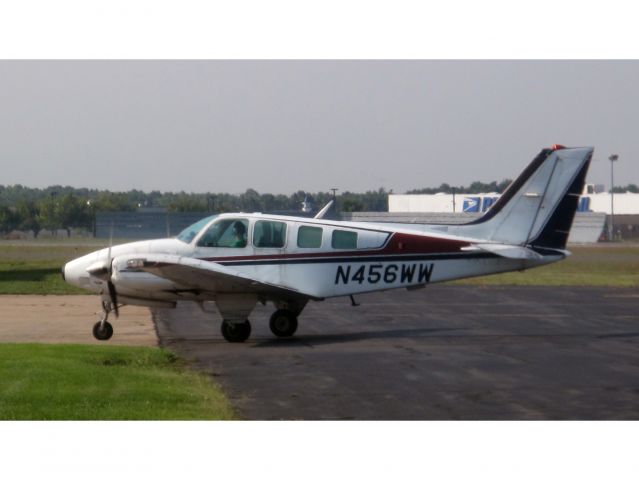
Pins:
<point x="590" y="225"/>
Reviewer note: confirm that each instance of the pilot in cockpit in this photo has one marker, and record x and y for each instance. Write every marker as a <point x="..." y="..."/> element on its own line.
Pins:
<point x="239" y="235"/>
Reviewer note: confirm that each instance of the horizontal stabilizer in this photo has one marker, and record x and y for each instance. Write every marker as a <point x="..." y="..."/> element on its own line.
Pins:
<point x="515" y="252"/>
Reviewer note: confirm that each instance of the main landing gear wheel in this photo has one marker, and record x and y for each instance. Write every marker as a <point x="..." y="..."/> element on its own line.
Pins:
<point x="102" y="330"/>
<point x="236" y="332"/>
<point x="283" y="323"/>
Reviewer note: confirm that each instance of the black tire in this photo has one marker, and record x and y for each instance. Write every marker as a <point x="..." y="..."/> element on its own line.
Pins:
<point x="283" y="323"/>
<point x="102" y="333"/>
<point x="236" y="332"/>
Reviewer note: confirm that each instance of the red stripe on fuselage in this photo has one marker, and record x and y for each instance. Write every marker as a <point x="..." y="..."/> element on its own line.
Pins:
<point x="407" y="243"/>
<point x="398" y="244"/>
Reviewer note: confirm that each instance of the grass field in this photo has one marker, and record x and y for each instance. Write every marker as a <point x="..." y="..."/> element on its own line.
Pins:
<point x="82" y="382"/>
<point x="601" y="265"/>
<point x="34" y="268"/>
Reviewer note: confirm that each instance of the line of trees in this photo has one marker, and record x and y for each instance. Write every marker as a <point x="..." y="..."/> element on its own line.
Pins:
<point x="475" y="187"/>
<point x="631" y="187"/>
<point x="65" y="212"/>
<point x="58" y="207"/>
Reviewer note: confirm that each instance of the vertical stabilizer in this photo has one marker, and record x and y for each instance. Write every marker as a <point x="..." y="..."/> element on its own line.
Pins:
<point x="539" y="206"/>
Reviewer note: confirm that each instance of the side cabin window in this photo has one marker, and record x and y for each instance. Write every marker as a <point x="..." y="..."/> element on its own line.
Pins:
<point x="309" y="237"/>
<point x="226" y="233"/>
<point x="343" y="239"/>
<point x="269" y="234"/>
<point x="370" y="239"/>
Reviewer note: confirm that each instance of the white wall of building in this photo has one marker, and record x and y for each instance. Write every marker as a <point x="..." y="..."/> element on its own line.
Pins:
<point x="440" y="202"/>
<point x="625" y="203"/>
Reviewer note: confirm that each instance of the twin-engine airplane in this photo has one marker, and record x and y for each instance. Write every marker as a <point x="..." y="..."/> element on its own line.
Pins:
<point x="239" y="259"/>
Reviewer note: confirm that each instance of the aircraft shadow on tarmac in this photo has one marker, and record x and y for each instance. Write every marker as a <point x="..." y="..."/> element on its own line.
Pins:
<point x="619" y="335"/>
<point x="310" y="340"/>
<point x="337" y="338"/>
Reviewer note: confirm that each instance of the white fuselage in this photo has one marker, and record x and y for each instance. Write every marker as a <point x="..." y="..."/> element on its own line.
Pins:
<point x="318" y="258"/>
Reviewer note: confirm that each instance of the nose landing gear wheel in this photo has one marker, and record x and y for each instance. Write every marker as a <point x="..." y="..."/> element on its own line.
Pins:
<point x="236" y="332"/>
<point x="102" y="332"/>
<point x="283" y="323"/>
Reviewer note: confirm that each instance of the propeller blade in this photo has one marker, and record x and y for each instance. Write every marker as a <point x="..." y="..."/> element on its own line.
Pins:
<point x="109" y="251"/>
<point x="113" y="295"/>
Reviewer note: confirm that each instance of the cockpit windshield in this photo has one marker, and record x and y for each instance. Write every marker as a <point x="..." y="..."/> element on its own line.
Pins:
<point x="190" y="232"/>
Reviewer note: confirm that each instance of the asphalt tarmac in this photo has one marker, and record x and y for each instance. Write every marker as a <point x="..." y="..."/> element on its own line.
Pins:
<point x="441" y="353"/>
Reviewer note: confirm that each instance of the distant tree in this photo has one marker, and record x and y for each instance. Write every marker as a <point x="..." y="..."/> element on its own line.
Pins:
<point x="631" y="187"/>
<point x="350" y="202"/>
<point x="8" y="219"/>
<point x="295" y="200"/>
<point x="269" y="202"/>
<point x="320" y="199"/>
<point x="72" y="212"/>
<point x="184" y="202"/>
<point x="474" y="187"/>
<point x="114" y="202"/>
<point x="250" y="201"/>
<point x="480" y="187"/>
<point x="443" y="188"/>
<point x="225" y="202"/>
<point x="47" y="216"/>
<point x="154" y="198"/>
<point x="374" y="201"/>
<point x="27" y="211"/>
<point x="351" y="205"/>
<point x="503" y="185"/>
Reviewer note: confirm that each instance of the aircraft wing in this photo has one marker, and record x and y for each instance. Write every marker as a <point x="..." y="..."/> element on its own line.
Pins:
<point x="206" y="275"/>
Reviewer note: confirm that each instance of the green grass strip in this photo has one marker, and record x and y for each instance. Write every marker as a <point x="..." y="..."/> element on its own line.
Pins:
<point x="34" y="278"/>
<point x="597" y="266"/>
<point x="83" y="382"/>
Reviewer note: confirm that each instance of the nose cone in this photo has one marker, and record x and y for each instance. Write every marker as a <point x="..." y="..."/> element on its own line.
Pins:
<point x="70" y="273"/>
<point x="75" y="272"/>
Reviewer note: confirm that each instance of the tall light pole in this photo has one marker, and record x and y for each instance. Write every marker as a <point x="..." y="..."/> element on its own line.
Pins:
<point x="92" y="210"/>
<point x="611" y="232"/>
<point x="453" y="199"/>
<point x="334" y="198"/>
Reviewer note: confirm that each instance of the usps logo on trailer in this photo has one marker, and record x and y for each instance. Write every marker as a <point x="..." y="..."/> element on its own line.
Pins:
<point x="471" y="204"/>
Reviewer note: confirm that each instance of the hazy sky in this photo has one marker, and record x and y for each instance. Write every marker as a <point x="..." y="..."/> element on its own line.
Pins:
<point x="283" y="126"/>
